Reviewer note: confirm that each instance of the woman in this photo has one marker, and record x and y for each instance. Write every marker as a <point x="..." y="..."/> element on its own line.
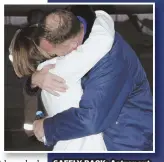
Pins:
<point x="71" y="67"/>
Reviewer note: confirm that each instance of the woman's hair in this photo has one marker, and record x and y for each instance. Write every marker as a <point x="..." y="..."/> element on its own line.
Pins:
<point x="26" y="52"/>
<point x="25" y="44"/>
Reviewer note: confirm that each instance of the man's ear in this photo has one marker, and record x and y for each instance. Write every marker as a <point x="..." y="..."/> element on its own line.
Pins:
<point x="46" y="45"/>
<point x="74" y="45"/>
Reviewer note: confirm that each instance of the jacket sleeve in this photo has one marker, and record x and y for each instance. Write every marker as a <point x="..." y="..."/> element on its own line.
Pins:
<point x="105" y="92"/>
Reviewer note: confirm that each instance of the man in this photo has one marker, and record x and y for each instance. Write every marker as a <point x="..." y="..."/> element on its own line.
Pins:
<point x="116" y="99"/>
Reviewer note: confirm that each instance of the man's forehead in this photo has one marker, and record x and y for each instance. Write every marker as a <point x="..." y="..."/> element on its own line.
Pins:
<point x="48" y="47"/>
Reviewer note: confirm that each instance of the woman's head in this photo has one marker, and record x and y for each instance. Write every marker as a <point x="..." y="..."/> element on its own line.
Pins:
<point x="26" y="52"/>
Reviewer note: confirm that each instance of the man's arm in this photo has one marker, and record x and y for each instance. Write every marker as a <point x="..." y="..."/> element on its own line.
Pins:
<point x="104" y="95"/>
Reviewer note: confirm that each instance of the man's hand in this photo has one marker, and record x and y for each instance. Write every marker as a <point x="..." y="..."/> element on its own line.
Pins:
<point x="49" y="82"/>
<point x="38" y="129"/>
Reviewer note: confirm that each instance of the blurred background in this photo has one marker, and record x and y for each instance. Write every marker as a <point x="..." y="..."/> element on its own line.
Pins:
<point x="133" y="22"/>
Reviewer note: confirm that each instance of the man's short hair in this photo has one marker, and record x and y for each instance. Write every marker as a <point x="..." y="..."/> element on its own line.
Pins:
<point x="60" y="25"/>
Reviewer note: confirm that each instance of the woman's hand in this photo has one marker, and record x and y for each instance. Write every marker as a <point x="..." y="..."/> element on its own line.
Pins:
<point x="47" y="81"/>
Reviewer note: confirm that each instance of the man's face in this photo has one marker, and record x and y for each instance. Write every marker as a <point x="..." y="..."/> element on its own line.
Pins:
<point x="64" y="48"/>
<point x="59" y="49"/>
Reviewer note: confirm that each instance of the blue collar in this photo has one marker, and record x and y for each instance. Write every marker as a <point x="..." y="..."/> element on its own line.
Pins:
<point x="84" y="22"/>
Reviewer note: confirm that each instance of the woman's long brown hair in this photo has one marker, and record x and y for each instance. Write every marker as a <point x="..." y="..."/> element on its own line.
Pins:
<point x="25" y="51"/>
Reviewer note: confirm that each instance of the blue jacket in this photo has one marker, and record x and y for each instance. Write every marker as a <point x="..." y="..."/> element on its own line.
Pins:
<point x="117" y="101"/>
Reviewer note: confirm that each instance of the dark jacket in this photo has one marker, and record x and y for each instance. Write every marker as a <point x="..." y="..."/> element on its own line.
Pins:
<point x="117" y="101"/>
